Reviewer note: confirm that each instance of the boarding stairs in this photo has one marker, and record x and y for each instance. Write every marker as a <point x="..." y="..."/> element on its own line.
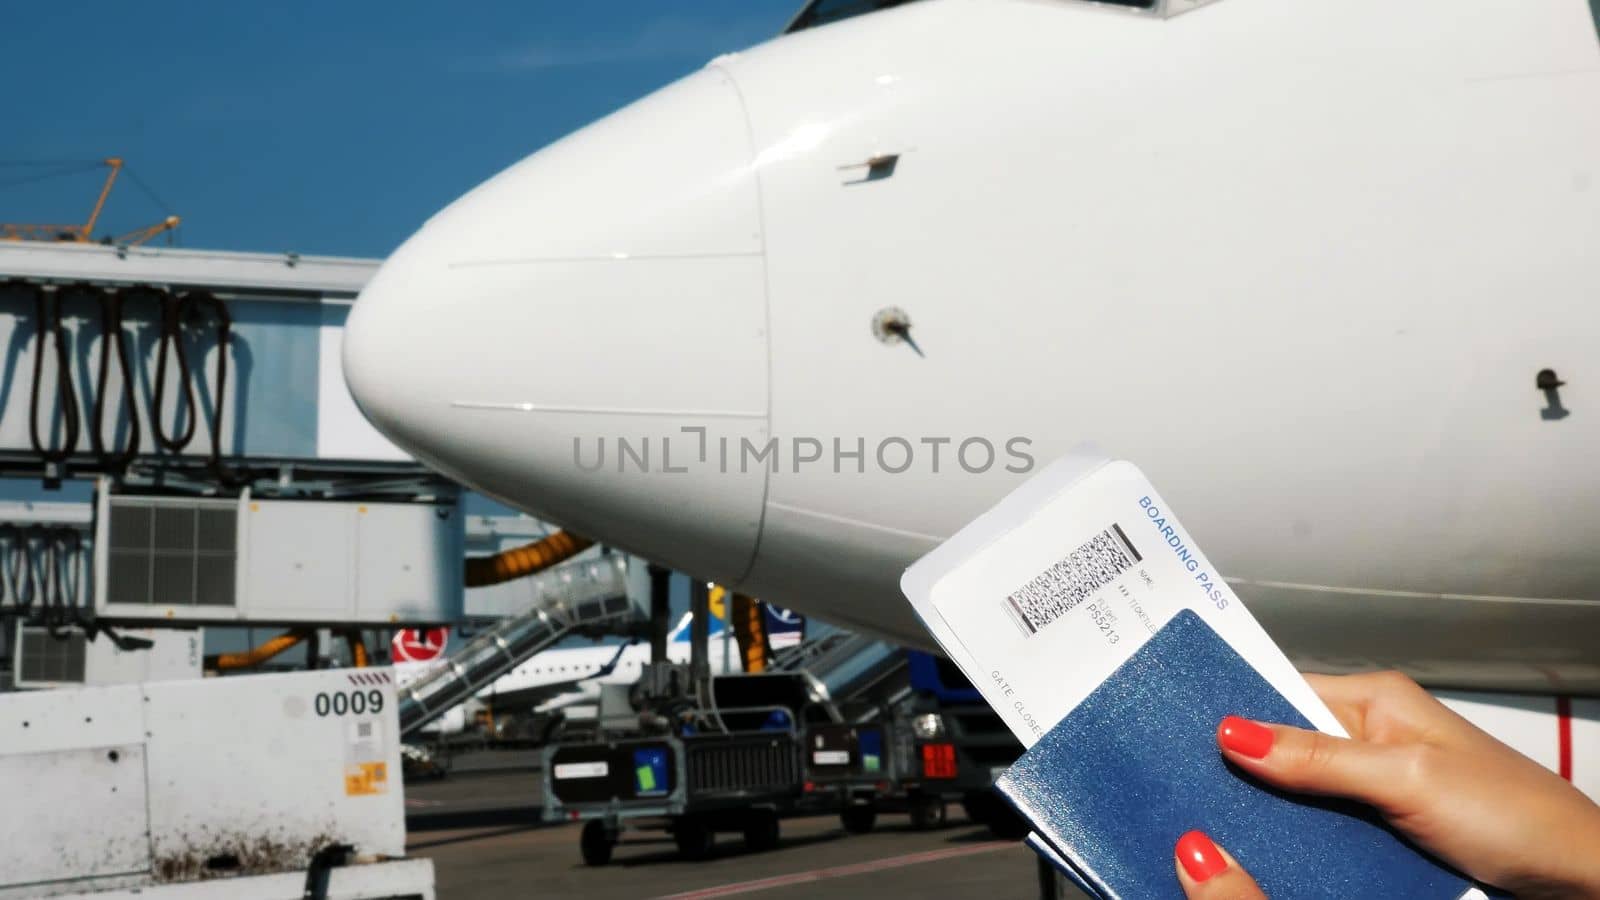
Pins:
<point x="848" y="664"/>
<point x="587" y="595"/>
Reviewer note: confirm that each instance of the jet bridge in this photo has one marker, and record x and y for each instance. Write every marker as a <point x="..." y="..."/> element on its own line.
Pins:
<point x="588" y="595"/>
<point x="186" y="414"/>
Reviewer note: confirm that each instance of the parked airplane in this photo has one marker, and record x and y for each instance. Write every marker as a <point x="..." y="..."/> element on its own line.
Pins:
<point x="567" y="680"/>
<point x="1325" y="271"/>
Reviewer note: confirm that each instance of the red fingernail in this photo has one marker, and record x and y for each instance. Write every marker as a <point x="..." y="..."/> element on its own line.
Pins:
<point x="1245" y="737"/>
<point x="1200" y="858"/>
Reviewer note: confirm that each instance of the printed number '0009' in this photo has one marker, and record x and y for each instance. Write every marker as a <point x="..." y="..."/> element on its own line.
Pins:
<point x="339" y="703"/>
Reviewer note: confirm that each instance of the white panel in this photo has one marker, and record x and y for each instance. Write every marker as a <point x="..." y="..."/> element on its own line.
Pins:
<point x="55" y="762"/>
<point x="408" y="562"/>
<point x="279" y="785"/>
<point x="342" y="431"/>
<point x="296" y="561"/>
<point x="174" y="654"/>
<point x="40" y="721"/>
<point x="73" y="814"/>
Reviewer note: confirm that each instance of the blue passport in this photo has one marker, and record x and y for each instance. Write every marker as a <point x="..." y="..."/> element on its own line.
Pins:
<point x="1113" y="786"/>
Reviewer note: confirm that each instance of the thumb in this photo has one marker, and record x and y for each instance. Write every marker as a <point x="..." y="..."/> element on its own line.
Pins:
<point x="1311" y="762"/>
<point x="1208" y="872"/>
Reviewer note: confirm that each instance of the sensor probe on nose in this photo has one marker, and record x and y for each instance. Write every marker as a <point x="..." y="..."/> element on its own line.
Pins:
<point x="892" y="325"/>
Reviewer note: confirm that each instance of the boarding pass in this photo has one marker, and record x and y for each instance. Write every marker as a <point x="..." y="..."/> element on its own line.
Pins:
<point x="1043" y="597"/>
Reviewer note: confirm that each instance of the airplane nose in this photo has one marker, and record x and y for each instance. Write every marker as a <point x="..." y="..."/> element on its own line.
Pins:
<point x="579" y="335"/>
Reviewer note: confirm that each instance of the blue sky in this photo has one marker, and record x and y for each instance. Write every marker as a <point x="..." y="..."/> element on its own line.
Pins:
<point x="330" y="128"/>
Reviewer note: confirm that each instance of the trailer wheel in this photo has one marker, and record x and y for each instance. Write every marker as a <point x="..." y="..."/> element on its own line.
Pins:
<point x="927" y="812"/>
<point x="858" y="819"/>
<point x="761" y="831"/>
<point x="1007" y="825"/>
<point x="596" y="843"/>
<point x="979" y="807"/>
<point x="693" y="838"/>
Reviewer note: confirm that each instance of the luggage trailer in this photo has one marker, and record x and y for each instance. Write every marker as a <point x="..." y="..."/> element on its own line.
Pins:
<point x="853" y="767"/>
<point x="692" y="786"/>
<point x="736" y="763"/>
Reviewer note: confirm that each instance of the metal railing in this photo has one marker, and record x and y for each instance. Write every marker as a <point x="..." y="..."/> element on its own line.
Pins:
<point x="802" y="655"/>
<point x="580" y="594"/>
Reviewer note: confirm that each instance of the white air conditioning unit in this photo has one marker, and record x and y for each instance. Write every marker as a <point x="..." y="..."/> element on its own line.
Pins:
<point x="288" y="562"/>
<point x="70" y="659"/>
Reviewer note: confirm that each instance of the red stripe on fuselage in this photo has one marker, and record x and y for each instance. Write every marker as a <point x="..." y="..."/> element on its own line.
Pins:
<point x="1564" y="736"/>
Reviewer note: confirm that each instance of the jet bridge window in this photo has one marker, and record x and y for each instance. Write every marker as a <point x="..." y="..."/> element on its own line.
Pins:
<point x="823" y="12"/>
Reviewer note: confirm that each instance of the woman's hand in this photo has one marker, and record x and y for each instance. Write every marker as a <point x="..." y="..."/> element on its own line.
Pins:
<point x="1470" y="800"/>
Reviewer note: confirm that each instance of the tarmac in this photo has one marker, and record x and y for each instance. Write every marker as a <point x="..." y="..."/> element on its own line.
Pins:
<point x="480" y="826"/>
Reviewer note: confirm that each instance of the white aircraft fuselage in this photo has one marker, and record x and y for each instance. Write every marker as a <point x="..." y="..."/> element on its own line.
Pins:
<point x="1301" y="262"/>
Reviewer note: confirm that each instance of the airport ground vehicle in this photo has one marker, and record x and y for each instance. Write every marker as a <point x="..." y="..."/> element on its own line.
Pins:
<point x="733" y="764"/>
<point x="118" y="790"/>
<point x="692" y="786"/>
<point x="854" y="767"/>
<point x="956" y="741"/>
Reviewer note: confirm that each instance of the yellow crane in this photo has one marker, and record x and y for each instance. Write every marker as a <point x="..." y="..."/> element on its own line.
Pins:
<point x="84" y="234"/>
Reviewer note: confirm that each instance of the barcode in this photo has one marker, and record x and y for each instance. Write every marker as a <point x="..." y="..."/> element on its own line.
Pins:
<point x="1069" y="582"/>
<point x="364" y="729"/>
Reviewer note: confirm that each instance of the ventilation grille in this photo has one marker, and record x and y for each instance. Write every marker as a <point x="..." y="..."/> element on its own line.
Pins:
<point x="753" y="764"/>
<point x="42" y="659"/>
<point x="166" y="552"/>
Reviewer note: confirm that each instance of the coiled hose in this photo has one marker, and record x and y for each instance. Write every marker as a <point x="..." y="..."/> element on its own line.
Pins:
<point x="48" y="314"/>
<point x="40" y="573"/>
<point x="259" y="654"/>
<point x="191" y="303"/>
<point x="42" y="563"/>
<point x="172" y="357"/>
<point x="508" y="565"/>
<point x="16" y="570"/>
<point x="175" y="312"/>
<point x="41" y="569"/>
<point x="171" y="340"/>
<point x="113" y="338"/>
<point x="58" y="557"/>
